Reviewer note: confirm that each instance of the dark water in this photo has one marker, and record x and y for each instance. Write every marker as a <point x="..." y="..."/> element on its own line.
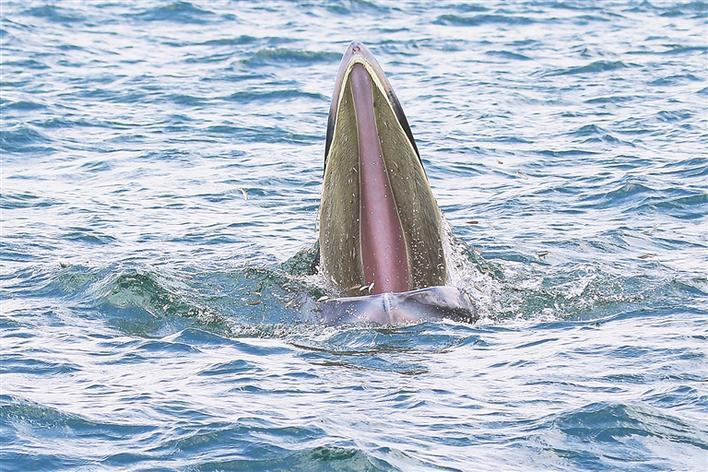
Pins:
<point x="161" y="164"/>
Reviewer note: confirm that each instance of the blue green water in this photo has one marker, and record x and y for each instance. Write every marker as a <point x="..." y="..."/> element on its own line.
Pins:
<point x="162" y="163"/>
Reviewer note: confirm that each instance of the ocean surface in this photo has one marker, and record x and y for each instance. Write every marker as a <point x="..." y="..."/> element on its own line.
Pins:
<point x="161" y="173"/>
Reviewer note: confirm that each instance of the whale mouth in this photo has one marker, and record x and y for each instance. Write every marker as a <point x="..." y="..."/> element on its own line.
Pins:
<point x="426" y="304"/>
<point x="379" y="223"/>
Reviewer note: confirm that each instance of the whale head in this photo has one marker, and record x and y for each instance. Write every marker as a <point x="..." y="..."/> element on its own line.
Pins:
<point x="380" y="226"/>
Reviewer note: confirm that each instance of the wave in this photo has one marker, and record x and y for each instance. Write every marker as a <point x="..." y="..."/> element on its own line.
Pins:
<point x="37" y="416"/>
<point x="144" y="301"/>
<point x="485" y="19"/>
<point x="147" y="291"/>
<point x="695" y="9"/>
<point x="354" y="7"/>
<point x="671" y="50"/>
<point x="251" y="96"/>
<point x="21" y="105"/>
<point x="280" y="56"/>
<point x="591" y="68"/>
<point x="673" y="396"/>
<point x="618" y="425"/>
<point x="25" y="64"/>
<point x="26" y="364"/>
<point x="690" y="167"/>
<point x="688" y="207"/>
<point x="177" y="12"/>
<point x="596" y="134"/>
<point x="10" y="201"/>
<point x="612" y="99"/>
<point x="88" y="236"/>
<point x="24" y="139"/>
<point x="674" y="115"/>
<point x="675" y="79"/>
<point x="274" y="134"/>
<point x="509" y="55"/>
<point x="296" y="452"/>
<point x="55" y="14"/>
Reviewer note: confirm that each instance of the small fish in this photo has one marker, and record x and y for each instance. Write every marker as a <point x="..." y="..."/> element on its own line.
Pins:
<point x="542" y="254"/>
<point x="323" y="298"/>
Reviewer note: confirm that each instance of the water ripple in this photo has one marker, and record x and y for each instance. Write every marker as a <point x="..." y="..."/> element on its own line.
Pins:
<point x="161" y="171"/>
<point x="176" y="12"/>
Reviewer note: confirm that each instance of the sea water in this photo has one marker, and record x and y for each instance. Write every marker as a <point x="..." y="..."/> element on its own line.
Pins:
<point x="162" y="164"/>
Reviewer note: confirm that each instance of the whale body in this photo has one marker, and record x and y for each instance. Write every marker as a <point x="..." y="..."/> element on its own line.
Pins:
<point x="381" y="231"/>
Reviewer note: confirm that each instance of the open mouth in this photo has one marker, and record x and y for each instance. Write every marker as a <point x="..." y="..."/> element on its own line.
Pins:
<point x="379" y="223"/>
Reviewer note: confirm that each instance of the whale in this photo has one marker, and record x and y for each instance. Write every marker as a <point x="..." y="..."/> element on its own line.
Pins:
<point x="381" y="232"/>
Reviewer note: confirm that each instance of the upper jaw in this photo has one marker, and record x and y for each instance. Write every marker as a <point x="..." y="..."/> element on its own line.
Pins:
<point x="356" y="53"/>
